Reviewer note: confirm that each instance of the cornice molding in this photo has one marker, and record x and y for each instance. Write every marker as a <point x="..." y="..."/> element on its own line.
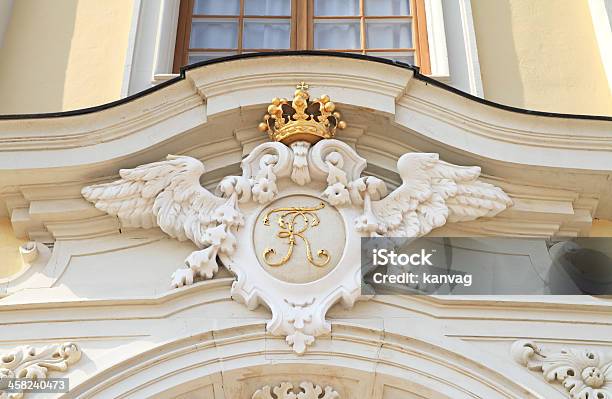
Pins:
<point x="514" y="139"/>
<point x="583" y="309"/>
<point x="328" y="54"/>
<point x="251" y="80"/>
<point x="100" y="127"/>
<point x="537" y="134"/>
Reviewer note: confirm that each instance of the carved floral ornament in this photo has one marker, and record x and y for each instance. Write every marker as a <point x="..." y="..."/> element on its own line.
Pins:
<point x="584" y="374"/>
<point x="305" y="161"/>
<point x="285" y="390"/>
<point x="28" y="362"/>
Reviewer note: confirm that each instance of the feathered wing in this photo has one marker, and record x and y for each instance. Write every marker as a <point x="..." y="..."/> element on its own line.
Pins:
<point x="397" y="212"/>
<point x="167" y="194"/>
<point x="433" y="193"/>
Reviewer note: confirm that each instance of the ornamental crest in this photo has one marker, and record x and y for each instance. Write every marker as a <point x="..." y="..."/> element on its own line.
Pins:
<point x="283" y="227"/>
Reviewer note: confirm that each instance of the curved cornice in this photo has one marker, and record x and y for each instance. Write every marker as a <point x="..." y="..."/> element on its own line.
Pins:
<point x="398" y="64"/>
<point x="423" y="107"/>
<point x="205" y="90"/>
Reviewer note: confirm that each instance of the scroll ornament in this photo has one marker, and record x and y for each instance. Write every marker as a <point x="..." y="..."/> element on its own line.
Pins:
<point x="30" y="363"/>
<point x="584" y="374"/>
<point x="285" y="390"/>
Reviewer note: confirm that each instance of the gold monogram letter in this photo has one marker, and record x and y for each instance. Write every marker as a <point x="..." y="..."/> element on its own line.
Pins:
<point x="294" y="222"/>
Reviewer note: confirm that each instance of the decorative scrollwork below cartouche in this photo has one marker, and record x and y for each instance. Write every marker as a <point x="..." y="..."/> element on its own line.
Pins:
<point x="306" y="390"/>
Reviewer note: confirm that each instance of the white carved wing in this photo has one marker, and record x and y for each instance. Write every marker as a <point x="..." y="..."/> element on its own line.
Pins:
<point x="432" y="193"/>
<point x="167" y="194"/>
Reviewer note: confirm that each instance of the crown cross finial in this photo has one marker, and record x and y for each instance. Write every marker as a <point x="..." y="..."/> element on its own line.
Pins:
<point x="301" y="119"/>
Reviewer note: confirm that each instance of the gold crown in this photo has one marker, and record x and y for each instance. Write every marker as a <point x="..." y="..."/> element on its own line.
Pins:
<point x="302" y="120"/>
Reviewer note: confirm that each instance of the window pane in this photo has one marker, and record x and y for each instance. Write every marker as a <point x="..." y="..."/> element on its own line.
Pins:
<point x="387" y="7"/>
<point x="336" y="34"/>
<point x="267" y="7"/>
<point x="336" y="7"/>
<point x="200" y="56"/>
<point x="214" y="33"/>
<point x="216" y="7"/>
<point x="406" y="57"/>
<point x="389" y="34"/>
<point x="266" y="34"/>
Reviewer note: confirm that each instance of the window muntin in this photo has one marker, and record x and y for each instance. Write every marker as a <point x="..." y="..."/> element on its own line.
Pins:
<point x="375" y="27"/>
<point x="392" y="29"/>
<point x="216" y="28"/>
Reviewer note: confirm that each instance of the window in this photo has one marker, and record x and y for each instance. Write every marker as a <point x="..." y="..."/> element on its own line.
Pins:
<point x="394" y="29"/>
<point x="216" y="28"/>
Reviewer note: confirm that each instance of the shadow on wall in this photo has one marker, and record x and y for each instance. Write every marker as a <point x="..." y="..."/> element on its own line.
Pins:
<point x="10" y="258"/>
<point x="34" y="56"/>
<point x="499" y="62"/>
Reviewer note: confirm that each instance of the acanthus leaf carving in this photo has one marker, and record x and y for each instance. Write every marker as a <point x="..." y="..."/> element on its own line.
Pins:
<point x="300" y="174"/>
<point x="28" y="362"/>
<point x="285" y="390"/>
<point x="585" y="374"/>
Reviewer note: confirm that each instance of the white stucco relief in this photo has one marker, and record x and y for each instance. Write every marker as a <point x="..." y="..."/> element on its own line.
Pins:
<point x="585" y="374"/>
<point x="28" y="362"/>
<point x="168" y="194"/>
<point x="285" y="390"/>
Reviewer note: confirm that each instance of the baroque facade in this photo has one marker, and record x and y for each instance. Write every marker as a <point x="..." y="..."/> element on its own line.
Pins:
<point x="201" y="239"/>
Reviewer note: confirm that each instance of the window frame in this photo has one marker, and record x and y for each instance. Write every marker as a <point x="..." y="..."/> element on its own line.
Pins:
<point x="302" y="31"/>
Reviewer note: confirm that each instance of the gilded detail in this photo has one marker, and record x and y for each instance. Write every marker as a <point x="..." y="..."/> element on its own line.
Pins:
<point x="301" y="119"/>
<point x="293" y="223"/>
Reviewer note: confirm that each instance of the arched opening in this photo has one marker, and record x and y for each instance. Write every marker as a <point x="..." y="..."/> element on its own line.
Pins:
<point x="237" y="362"/>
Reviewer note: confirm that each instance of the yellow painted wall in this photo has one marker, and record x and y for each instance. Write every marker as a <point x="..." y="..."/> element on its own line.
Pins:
<point x="63" y="54"/>
<point x="10" y="259"/>
<point x="69" y="54"/>
<point x="541" y="55"/>
<point x="601" y="228"/>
